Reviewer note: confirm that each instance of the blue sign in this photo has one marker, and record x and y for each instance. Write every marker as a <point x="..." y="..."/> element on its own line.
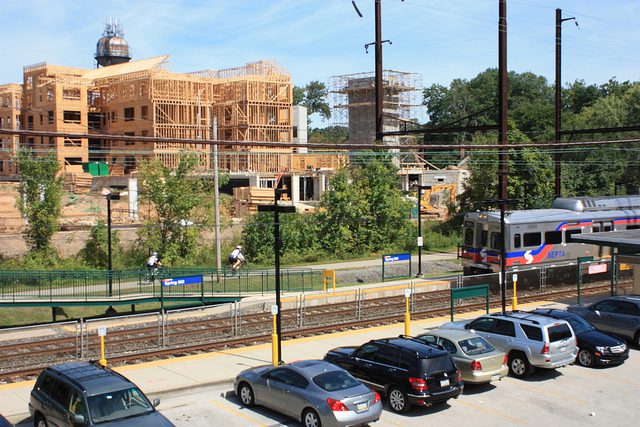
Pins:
<point x="396" y="257"/>
<point x="182" y="281"/>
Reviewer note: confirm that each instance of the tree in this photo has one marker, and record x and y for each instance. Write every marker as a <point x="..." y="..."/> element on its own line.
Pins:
<point x="95" y="251"/>
<point x="364" y="210"/>
<point x="40" y="196"/>
<point x="181" y="205"/>
<point x="314" y="97"/>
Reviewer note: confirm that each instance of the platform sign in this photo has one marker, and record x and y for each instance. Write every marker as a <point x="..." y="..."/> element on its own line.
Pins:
<point x="182" y="281"/>
<point x="391" y="259"/>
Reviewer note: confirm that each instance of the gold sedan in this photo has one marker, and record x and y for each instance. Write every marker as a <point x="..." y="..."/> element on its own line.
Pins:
<point x="475" y="357"/>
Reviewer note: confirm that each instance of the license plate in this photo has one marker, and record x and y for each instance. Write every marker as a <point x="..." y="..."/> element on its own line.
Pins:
<point x="563" y="349"/>
<point x="362" y="407"/>
<point x="444" y="383"/>
<point x="495" y="377"/>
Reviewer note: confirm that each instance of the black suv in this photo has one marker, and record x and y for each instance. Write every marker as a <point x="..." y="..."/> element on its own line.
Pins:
<point x="408" y="371"/>
<point x="87" y="394"/>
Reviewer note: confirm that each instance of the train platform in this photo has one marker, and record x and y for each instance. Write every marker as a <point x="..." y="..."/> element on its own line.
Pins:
<point x="168" y="376"/>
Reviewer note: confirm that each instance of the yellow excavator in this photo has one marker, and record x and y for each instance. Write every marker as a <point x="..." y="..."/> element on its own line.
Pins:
<point x="435" y="201"/>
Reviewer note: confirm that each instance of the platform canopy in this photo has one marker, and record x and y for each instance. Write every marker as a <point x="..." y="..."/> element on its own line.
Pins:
<point x="627" y="241"/>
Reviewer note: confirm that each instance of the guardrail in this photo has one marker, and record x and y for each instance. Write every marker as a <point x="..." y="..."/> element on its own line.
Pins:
<point x="85" y="285"/>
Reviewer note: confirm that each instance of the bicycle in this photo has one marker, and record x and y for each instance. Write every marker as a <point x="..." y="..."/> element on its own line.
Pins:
<point x="152" y="274"/>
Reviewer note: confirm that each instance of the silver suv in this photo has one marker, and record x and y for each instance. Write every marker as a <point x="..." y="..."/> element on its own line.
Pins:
<point x="530" y="341"/>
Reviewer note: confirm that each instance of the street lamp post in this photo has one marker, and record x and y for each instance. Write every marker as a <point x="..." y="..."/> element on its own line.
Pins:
<point x="420" y="188"/>
<point x="110" y="195"/>
<point x="502" y="203"/>
<point x="276" y="209"/>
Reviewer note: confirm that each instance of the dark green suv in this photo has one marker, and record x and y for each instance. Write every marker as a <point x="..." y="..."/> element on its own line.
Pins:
<point x="87" y="394"/>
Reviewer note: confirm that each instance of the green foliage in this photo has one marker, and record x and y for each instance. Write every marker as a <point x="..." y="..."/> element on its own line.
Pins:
<point x="95" y="252"/>
<point x="314" y="97"/>
<point x="362" y="213"/>
<point x="181" y="206"/>
<point x="365" y="212"/>
<point x="40" y="196"/>
<point x="329" y="134"/>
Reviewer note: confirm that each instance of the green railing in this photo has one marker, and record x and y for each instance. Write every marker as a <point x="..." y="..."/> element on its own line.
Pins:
<point x="17" y="285"/>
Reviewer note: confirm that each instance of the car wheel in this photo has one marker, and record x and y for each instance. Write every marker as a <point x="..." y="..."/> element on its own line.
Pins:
<point x="40" y="421"/>
<point x="519" y="366"/>
<point x="245" y="392"/>
<point x="310" y="418"/>
<point x="398" y="400"/>
<point x="586" y="358"/>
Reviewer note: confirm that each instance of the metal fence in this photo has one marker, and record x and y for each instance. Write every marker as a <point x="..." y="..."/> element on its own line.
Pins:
<point x="41" y="285"/>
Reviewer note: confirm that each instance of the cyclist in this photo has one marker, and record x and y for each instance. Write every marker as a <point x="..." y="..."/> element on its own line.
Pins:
<point x="153" y="264"/>
<point x="236" y="258"/>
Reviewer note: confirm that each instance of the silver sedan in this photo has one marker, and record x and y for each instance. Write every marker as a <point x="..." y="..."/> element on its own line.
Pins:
<point x="316" y="392"/>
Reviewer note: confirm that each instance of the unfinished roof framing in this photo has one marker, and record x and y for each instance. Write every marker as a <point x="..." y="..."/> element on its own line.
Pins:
<point x="142" y="98"/>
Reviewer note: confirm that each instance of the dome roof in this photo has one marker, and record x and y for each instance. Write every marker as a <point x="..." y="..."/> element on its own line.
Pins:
<point x="112" y="48"/>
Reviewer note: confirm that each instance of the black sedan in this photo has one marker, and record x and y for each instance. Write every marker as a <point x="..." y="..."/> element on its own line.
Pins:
<point x="595" y="347"/>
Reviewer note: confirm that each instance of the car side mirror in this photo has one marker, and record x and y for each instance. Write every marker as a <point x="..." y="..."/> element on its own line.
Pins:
<point x="156" y="402"/>
<point x="78" y="419"/>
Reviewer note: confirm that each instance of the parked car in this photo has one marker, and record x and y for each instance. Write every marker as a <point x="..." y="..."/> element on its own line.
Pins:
<point x="594" y="347"/>
<point x="616" y="315"/>
<point x="478" y="361"/>
<point x="408" y="371"/>
<point x="315" y="392"/>
<point x="4" y="422"/>
<point x="87" y="394"/>
<point x="529" y="340"/>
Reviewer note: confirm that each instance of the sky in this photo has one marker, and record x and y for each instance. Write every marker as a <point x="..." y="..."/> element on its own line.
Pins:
<point x="315" y="39"/>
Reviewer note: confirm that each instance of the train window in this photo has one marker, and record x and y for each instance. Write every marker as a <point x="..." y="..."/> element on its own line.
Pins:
<point x="633" y="227"/>
<point x="570" y="233"/>
<point x="553" y="237"/>
<point x="496" y="241"/>
<point x="595" y="228"/>
<point x="483" y="238"/>
<point x="607" y="227"/>
<point x="517" y="242"/>
<point x="532" y="239"/>
<point x="468" y="236"/>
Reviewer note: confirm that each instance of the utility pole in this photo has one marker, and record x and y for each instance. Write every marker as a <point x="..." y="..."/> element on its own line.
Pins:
<point x="502" y="157"/>
<point x="379" y="88"/>
<point x="558" y="109"/>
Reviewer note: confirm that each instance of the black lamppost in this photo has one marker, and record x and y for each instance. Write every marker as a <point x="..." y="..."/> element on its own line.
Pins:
<point x="502" y="204"/>
<point x="420" y="188"/>
<point x="109" y="195"/>
<point x="276" y="209"/>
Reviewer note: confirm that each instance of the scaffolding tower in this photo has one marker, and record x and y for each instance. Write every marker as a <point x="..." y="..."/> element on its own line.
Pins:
<point x="353" y="104"/>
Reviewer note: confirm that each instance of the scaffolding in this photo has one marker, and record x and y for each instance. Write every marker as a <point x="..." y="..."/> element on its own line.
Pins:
<point x="353" y="104"/>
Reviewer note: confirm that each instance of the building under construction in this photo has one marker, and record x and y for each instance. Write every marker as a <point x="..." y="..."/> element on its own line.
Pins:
<point x="143" y="98"/>
<point x="353" y="100"/>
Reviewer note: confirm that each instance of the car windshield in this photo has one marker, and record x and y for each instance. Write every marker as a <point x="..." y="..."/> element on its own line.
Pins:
<point x="579" y="325"/>
<point x="335" y="380"/>
<point x="119" y="404"/>
<point x="476" y="345"/>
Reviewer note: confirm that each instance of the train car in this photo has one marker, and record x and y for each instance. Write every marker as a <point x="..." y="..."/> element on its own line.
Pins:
<point x="544" y="236"/>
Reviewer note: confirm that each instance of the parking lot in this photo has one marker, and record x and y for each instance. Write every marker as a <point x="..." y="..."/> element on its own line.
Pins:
<point x="570" y="396"/>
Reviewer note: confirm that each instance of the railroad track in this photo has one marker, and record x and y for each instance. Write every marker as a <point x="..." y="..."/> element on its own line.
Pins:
<point x="186" y="337"/>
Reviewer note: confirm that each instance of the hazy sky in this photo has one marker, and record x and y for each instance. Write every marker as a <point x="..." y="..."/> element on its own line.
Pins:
<point x="317" y="39"/>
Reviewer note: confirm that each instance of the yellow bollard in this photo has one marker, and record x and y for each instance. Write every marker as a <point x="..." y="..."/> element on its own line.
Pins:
<point x="102" y="332"/>
<point x="514" y="300"/>
<point x="274" y="344"/>
<point x="407" y="314"/>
